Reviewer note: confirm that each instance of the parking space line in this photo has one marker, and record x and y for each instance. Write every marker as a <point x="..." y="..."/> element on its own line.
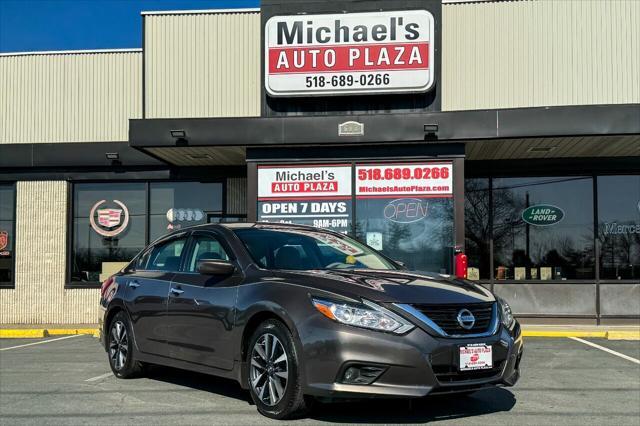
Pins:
<point x="102" y="376"/>
<point x="40" y="343"/>
<point x="602" y="348"/>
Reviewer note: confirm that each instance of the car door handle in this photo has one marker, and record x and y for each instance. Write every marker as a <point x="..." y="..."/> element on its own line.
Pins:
<point x="133" y="284"/>
<point x="176" y="291"/>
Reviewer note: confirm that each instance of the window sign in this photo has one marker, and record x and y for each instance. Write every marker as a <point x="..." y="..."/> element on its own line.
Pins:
<point x="347" y="53"/>
<point x="406" y="211"/>
<point x="542" y="215"/>
<point x="619" y="227"/>
<point x="175" y="205"/>
<point x="422" y="180"/>
<point x="317" y="195"/>
<point x="109" y="222"/>
<point x="7" y="226"/>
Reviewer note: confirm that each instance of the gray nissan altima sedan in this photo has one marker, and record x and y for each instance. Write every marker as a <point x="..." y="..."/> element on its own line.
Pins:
<point x="294" y="314"/>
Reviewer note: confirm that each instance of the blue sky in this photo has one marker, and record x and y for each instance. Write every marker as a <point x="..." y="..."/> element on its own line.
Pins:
<point x="34" y="25"/>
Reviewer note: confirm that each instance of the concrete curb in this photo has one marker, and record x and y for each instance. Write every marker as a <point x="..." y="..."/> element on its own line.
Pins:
<point x="610" y="335"/>
<point x="564" y="333"/>
<point x="34" y="333"/>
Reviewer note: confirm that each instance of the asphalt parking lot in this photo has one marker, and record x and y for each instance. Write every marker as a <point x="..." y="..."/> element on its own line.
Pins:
<point x="67" y="381"/>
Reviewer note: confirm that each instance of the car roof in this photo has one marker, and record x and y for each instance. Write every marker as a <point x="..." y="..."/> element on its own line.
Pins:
<point x="241" y="225"/>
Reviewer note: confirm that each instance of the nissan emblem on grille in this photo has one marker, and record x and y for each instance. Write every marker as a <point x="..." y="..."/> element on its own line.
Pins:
<point x="466" y="319"/>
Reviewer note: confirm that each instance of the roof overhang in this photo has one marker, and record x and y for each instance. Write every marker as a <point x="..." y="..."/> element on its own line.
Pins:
<point x="586" y="120"/>
<point x="519" y="133"/>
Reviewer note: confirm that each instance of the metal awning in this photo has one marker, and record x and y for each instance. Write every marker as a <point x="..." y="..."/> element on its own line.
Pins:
<point x="519" y="133"/>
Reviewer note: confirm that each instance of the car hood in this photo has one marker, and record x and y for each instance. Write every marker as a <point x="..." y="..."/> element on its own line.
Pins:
<point x="391" y="286"/>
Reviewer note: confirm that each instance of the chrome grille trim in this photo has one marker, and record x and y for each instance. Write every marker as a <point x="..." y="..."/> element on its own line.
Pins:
<point x="492" y="329"/>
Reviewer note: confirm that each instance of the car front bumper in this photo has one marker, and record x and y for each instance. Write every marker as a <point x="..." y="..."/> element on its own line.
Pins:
<point x="415" y="364"/>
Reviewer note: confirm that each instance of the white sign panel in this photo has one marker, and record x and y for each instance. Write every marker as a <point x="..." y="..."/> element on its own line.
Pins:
<point x="350" y="53"/>
<point x="404" y="179"/>
<point x="304" y="181"/>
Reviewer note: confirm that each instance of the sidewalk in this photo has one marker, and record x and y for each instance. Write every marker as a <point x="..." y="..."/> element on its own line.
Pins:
<point x="618" y="332"/>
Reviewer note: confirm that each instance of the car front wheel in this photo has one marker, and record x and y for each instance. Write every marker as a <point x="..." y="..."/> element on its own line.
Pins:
<point x="274" y="381"/>
<point x="120" y="349"/>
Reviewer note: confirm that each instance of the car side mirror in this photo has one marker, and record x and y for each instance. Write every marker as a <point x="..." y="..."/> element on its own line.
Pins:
<point x="215" y="267"/>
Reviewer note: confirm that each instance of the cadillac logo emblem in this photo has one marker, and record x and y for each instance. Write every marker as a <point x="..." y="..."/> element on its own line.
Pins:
<point x="466" y="319"/>
<point x="110" y="221"/>
<point x="4" y="240"/>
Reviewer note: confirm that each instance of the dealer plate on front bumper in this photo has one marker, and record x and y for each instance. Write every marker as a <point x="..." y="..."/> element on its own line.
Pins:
<point x="476" y="357"/>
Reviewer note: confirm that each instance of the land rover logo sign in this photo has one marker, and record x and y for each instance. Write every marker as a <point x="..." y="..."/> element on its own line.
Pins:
<point x="349" y="53"/>
<point x="351" y="128"/>
<point x="542" y="215"/>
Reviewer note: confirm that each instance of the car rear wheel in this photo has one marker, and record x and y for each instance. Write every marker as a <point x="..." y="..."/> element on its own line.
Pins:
<point x="120" y="348"/>
<point x="274" y="381"/>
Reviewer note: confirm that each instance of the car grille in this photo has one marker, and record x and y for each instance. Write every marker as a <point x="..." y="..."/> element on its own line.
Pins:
<point x="446" y="317"/>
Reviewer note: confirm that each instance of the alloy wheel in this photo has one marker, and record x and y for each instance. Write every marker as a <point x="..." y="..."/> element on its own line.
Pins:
<point x="269" y="371"/>
<point x="118" y="345"/>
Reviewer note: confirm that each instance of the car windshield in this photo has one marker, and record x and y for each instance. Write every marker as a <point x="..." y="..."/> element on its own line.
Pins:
<point x="302" y="249"/>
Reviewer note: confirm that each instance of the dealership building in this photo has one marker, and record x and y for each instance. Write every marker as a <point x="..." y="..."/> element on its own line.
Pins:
<point x="506" y="130"/>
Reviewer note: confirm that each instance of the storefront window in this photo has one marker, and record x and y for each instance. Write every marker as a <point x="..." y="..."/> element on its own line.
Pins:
<point x="543" y="228"/>
<point x="174" y="205"/>
<point x="108" y="228"/>
<point x="7" y="234"/>
<point x="423" y="244"/>
<point x="619" y="227"/>
<point x="477" y="228"/>
<point x="110" y="220"/>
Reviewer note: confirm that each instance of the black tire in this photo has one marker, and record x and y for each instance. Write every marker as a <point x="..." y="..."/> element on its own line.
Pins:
<point x="120" y="348"/>
<point x="289" y="401"/>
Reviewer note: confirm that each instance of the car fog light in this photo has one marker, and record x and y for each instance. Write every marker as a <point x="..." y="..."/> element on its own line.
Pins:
<point x="351" y="374"/>
<point x="362" y="374"/>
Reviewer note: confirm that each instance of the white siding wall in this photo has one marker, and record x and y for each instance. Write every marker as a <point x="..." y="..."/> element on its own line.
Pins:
<point x="202" y="65"/>
<point x="71" y="97"/>
<point x="39" y="296"/>
<point x="511" y="54"/>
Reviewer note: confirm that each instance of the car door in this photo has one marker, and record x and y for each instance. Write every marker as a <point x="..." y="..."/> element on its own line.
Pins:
<point x="201" y="308"/>
<point x="148" y="292"/>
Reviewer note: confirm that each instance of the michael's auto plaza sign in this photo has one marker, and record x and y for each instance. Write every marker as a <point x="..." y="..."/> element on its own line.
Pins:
<point x="351" y="53"/>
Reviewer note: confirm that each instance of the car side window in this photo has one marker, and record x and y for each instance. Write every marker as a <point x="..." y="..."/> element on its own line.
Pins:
<point x="205" y="247"/>
<point x="141" y="261"/>
<point x="166" y="257"/>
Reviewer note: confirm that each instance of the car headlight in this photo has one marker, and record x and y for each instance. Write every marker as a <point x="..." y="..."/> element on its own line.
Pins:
<point x="506" y="316"/>
<point x="366" y="315"/>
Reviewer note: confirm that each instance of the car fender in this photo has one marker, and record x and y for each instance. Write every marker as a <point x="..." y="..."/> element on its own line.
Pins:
<point x="280" y="303"/>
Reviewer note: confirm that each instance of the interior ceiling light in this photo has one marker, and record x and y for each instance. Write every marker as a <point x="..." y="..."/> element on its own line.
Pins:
<point x="200" y="156"/>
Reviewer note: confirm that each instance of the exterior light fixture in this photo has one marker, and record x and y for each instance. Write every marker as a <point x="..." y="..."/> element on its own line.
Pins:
<point x="541" y="149"/>
<point x="178" y="133"/>
<point x="113" y="156"/>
